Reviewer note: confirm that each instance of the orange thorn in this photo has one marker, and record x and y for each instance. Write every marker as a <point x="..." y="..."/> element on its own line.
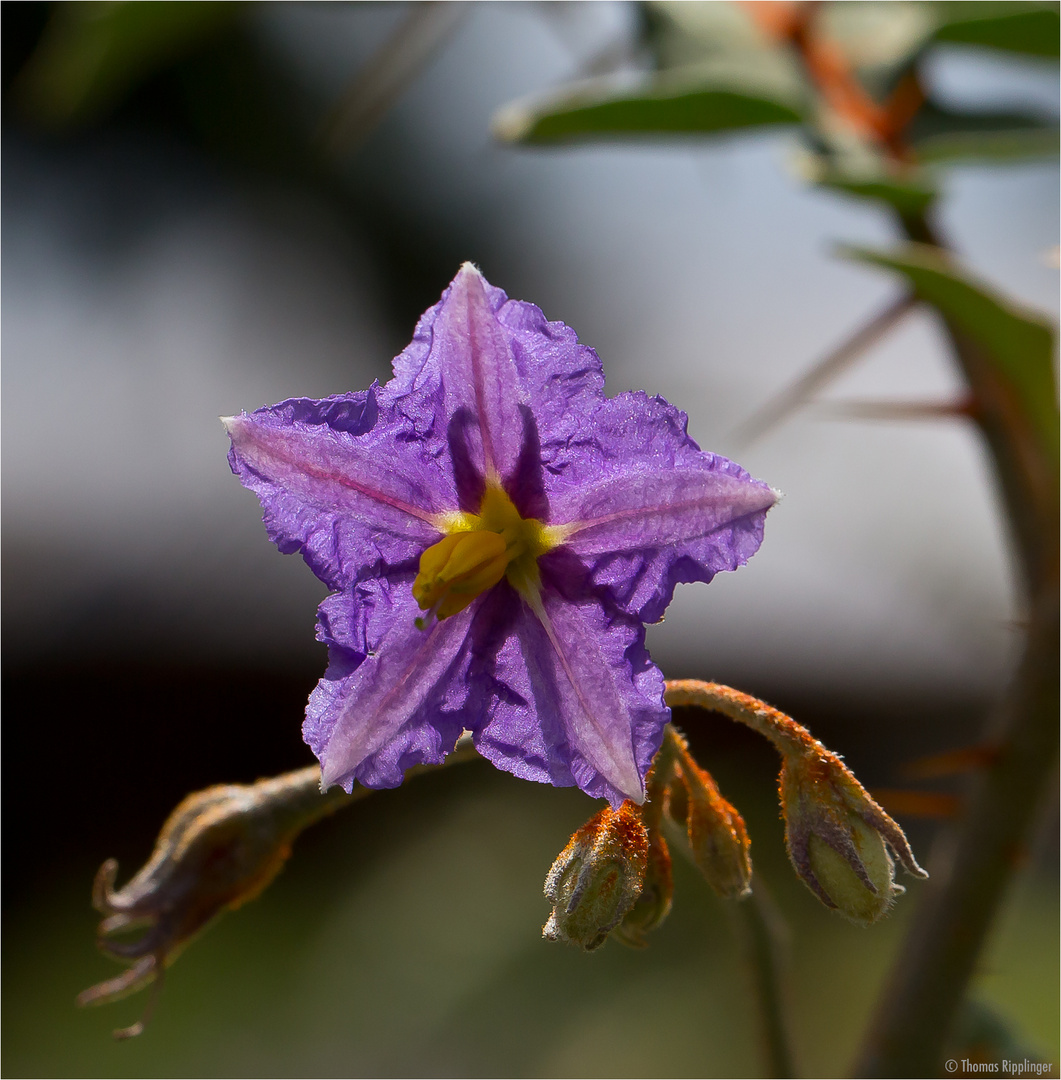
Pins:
<point x="919" y="804"/>
<point x="965" y="759"/>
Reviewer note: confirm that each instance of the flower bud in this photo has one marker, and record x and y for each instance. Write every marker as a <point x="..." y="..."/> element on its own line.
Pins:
<point x="718" y="840"/>
<point x="717" y="836"/>
<point x="598" y="877"/>
<point x="838" y="838"/>
<point x="654" y="903"/>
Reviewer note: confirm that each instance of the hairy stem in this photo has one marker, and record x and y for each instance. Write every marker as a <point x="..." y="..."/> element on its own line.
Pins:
<point x="304" y="804"/>
<point x="787" y="736"/>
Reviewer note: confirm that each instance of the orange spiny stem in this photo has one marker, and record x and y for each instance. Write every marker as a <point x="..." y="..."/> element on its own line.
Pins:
<point x="832" y="74"/>
<point x="835" y="79"/>
<point x="900" y="109"/>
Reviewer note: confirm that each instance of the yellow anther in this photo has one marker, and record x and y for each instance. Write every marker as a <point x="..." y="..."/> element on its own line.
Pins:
<point x="479" y="550"/>
<point x="458" y="568"/>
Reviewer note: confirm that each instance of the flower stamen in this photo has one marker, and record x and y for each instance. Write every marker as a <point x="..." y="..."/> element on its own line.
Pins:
<point x="480" y="550"/>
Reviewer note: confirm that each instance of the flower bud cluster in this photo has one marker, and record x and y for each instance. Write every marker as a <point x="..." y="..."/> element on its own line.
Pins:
<point x="615" y="875"/>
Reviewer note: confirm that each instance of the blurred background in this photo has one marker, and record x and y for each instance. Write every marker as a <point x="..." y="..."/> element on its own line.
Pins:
<point x="258" y="203"/>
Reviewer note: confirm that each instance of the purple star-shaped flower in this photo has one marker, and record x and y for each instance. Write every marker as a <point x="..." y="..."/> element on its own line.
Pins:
<point x="497" y="532"/>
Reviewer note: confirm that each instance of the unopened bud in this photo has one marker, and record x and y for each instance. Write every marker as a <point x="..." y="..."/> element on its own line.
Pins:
<point x="718" y="840"/>
<point x="838" y="838"/>
<point x="654" y="903"/>
<point x="676" y="800"/>
<point x="598" y="877"/>
<point x="717" y="836"/>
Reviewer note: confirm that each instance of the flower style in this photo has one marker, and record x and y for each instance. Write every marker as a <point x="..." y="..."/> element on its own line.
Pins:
<point x="496" y="532"/>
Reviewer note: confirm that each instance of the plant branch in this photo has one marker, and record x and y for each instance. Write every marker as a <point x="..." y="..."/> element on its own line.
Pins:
<point x="831" y="365"/>
<point x="218" y="849"/>
<point x="931" y="974"/>
<point x="391" y="69"/>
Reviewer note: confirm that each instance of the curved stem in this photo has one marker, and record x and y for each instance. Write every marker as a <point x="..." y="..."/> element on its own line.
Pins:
<point x="219" y="848"/>
<point x="298" y="802"/>
<point x="787" y="736"/>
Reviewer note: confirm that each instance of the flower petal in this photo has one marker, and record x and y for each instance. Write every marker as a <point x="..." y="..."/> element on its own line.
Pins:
<point x="469" y="359"/>
<point x="533" y="376"/>
<point x="392" y="696"/>
<point x="658" y="507"/>
<point x="645" y="508"/>
<point x="575" y="699"/>
<point x="338" y="482"/>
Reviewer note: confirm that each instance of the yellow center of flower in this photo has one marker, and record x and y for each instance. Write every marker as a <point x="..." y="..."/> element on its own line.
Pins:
<point x="479" y="550"/>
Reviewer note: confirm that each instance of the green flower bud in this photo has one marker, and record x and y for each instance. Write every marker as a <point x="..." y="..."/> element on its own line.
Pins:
<point x="718" y="840"/>
<point x="717" y="836"/>
<point x="847" y="887"/>
<point x="838" y="837"/>
<point x="598" y="877"/>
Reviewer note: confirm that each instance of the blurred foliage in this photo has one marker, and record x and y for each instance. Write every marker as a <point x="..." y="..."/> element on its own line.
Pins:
<point x="983" y="1035"/>
<point x="850" y="73"/>
<point x="196" y="70"/>
<point x="940" y="134"/>
<point x="847" y="73"/>
<point x="1029" y="29"/>
<point x="1019" y="343"/>
<point x="713" y="74"/>
<point x="685" y="103"/>
<point x="203" y="75"/>
<point x="92" y="54"/>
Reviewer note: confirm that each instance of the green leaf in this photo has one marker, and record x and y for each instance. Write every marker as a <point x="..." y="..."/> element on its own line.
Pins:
<point x="1031" y="29"/>
<point x="691" y="103"/>
<point x="845" y="162"/>
<point x="1018" y="342"/>
<point x="908" y="197"/>
<point x="981" y="1030"/>
<point x="93" y="52"/>
<point x="945" y="135"/>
